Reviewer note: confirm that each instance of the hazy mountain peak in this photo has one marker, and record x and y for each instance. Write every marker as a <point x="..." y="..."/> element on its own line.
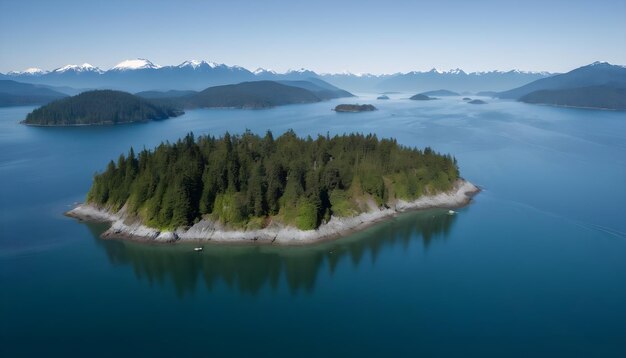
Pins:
<point x="29" y="71"/>
<point x="604" y="64"/>
<point x="197" y="63"/>
<point x="456" y="71"/>
<point x="599" y="63"/>
<point x="352" y="74"/>
<point x="300" y="70"/>
<point x="85" y="67"/>
<point x="136" y="64"/>
<point x="261" y="70"/>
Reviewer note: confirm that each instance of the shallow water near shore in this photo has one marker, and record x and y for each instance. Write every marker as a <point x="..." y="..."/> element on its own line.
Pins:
<point x="536" y="266"/>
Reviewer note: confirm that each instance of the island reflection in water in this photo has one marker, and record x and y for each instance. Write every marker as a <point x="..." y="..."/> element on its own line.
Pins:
<point x="250" y="268"/>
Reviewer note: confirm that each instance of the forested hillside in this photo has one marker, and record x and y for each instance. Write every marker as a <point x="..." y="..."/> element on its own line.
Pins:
<point x="99" y="107"/>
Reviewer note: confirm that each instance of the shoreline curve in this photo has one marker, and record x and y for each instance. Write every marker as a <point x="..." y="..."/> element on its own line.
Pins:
<point x="205" y="231"/>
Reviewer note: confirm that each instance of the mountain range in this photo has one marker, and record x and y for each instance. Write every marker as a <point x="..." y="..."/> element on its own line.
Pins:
<point x="598" y="85"/>
<point x="595" y="74"/>
<point x="143" y="75"/>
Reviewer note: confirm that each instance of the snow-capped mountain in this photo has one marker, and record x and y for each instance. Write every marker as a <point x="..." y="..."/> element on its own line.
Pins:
<point x="457" y="80"/>
<point x="436" y="71"/>
<point x="141" y="74"/>
<point x="85" y="67"/>
<point x="31" y="71"/>
<point x="196" y="64"/>
<point x="262" y="71"/>
<point x="597" y="74"/>
<point x="136" y="64"/>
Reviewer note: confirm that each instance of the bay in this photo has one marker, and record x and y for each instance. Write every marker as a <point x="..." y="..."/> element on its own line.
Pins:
<point x="534" y="267"/>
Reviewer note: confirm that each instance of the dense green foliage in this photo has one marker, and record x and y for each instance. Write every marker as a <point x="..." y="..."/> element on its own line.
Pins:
<point x="604" y="97"/>
<point x="246" y="181"/>
<point x="99" y="107"/>
<point x="355" y="108"/>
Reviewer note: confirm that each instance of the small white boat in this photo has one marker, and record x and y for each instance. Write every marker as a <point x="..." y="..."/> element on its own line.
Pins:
<point x="197" y="249"/>
<point x="451" y="212"/>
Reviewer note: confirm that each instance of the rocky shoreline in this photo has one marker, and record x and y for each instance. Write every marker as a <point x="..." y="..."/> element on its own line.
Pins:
<point x="123" y="227"/>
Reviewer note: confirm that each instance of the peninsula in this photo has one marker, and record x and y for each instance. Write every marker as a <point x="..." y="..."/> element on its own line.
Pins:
<point x="248" y="188"/>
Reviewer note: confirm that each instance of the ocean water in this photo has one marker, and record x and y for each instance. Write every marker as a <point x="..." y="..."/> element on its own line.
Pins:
<point x="535" y="266"/>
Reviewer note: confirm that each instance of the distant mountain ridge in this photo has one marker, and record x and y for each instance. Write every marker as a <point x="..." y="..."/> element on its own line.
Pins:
<point x="250" y="95"/>
<point x="598" y="97"/>
<point x="14" y="93"/>
<point x="595" y="74"/>
<point x="459" y="81"/>
<point x="599" y="85"/>
<point x="440" y="93"/>
<point x="321" y="89"/>
<point x="137" y="75"/>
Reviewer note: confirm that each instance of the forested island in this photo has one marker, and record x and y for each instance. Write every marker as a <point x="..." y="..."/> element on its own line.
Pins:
<point x="352" y="108"/>
<point x="98" y="108"/>
<point x="421" y="97"/>
<point x="115" y="107"/>
<point x="440" y="93"/>
<point x="248" y="187"/>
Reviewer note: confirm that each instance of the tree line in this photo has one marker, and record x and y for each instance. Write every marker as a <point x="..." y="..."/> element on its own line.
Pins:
<point x="248" y="181"/>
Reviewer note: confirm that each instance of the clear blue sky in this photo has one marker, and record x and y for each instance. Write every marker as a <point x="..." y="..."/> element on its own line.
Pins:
<point x="325" y="36"/>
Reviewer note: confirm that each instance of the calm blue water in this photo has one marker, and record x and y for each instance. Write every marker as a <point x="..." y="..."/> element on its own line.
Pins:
<point x="535" y="267"/>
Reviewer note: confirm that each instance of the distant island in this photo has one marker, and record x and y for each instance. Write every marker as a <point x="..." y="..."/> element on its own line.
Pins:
<point x="384" y="96"/>
<point x="477" y="101"/>
<point x="467" y="99"/>
<point x="354" y="108"/>
<point x="116" y="107"/>
<point x="440" y="93"/>
<point x="281" y="190"/>
<point x="99" y="107"/>
<point x="421" y="97"/>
